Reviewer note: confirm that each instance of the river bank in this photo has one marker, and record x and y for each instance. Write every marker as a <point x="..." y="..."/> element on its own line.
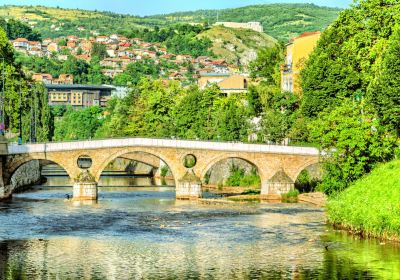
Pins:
<point x="371" y="206"/>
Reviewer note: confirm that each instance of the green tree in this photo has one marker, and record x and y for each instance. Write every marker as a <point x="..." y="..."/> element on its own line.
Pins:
<point x="231" y="119"/>
<point x="266" y="66"/>
<point x="99" y="50"/>
<point x="78" y="124"/>
<point x="348" y="53"/>
<point x="384" y="91"/>
<point x="354" y="142"/>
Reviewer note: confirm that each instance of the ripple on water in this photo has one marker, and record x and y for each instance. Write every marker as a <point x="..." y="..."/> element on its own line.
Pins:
<point x="144" y="233"/>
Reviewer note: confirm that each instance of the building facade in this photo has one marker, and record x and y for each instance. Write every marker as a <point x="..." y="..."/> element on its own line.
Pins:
<point x="79" y="95"/>
<point x="297" y="53"/>
<point x="256" y="26"/>
<point x="228" y="84"/>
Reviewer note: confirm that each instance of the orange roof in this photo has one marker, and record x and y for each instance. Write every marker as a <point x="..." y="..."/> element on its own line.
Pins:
<point x="21" y="40"/>
<point x="306" y="34"/>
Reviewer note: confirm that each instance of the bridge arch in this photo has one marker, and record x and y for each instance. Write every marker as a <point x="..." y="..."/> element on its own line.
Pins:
<point x="130" y="150"/>
<point x="308" y="177"/>
<point x="304" y="166"/>
<point x="210" y="163"/>
<point x="19" y="161"/>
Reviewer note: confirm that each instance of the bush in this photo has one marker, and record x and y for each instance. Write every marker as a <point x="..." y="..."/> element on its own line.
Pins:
<point x="291" y="197"/>
<point x="164" y="171"/>
<point x="305" y="183"/>
<point x="239" y="178"/>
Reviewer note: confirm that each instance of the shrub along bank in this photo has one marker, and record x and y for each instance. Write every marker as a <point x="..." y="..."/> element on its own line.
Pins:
<point x="371" y="205"/>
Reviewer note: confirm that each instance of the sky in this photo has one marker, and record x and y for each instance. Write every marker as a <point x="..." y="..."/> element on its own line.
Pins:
<point x="142" y="8"/>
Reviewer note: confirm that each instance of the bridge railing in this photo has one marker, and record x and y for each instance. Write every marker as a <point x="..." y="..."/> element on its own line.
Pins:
<point x="290" y="142"/>
<point x="158" y="142"/>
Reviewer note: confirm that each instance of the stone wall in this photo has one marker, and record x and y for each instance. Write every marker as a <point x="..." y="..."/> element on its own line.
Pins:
<point x="27" y="175"/>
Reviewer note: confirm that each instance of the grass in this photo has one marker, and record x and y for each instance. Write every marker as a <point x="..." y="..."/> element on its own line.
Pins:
<point x="371" y="206"/>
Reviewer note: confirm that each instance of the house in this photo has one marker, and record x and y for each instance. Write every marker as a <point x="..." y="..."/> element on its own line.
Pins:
<point x="64" y="79"/>
<point x="43" y="77"/>
<point x="20" y="43"/>
<point x="166" y="56"/>
<point x="84" y="57"/>
<point x="86" y="46"/>
<point x="52" y="47"/>
<point x="35" y="52"/>
<point x="71" y="45"/>
<point x="234" y="84"/>
<point x="253" y="25"/>
<point x="111" y="72"/>
<point x="114" y="37"/>
<point x="176" y="76"/>
<point x="211" y="78"/>
<point x="101" y="39"/>
<point x="47" y="41"/>
<point x="297" y="52"/>
<point x="111" y="53"/>
<point x="227" y="83"/>
<point x="183" y="58"/>
<point x="62" y="57"/>
<point x="219" y="66"/>
<point x="72" y="38"/>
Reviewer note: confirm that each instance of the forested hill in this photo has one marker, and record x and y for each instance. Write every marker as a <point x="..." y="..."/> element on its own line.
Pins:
<point x="281" y="21"/>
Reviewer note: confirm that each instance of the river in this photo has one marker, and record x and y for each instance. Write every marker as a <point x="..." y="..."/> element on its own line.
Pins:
<point x="144" y="233"/>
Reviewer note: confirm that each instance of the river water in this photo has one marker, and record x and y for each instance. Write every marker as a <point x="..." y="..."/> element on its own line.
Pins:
<point x="144" y="233"/>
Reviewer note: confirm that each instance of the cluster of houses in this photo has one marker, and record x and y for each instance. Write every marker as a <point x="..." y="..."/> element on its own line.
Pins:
<point x="120" y="52"/>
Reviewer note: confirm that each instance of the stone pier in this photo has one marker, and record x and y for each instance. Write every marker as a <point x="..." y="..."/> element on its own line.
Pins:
<point x="279" y="184"/>
<point x="85" y="187"/>
<point x="189" y="187"/>
<point x="85" y="191"/>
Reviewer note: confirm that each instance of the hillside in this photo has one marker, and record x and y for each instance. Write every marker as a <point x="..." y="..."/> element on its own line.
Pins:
<point x="281" y="21"/>
<point x="237" y="46"/>
<point x="57" y="22"/>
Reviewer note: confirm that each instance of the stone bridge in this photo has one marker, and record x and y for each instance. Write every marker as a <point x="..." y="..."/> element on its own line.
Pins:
<point x="278" y="166"/>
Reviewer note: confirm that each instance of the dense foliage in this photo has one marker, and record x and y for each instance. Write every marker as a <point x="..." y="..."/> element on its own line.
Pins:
<point x="77" y="124"/>
<point x="178" y="39"/>
<point x="351" y="89"/>
<point x="24" y="102"/>
<point x="16" y="29"/>
<point x="354" y="142"/>
<point x="155" y="108"/>
<point x="84" y="72"/>
<point x="282" y="21"/>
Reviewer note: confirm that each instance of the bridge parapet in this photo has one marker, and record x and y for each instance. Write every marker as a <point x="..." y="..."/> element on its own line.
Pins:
<point x="160" y="143"/>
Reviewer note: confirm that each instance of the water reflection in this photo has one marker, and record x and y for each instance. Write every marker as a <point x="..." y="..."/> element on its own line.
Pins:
<point x="144" y="233"/>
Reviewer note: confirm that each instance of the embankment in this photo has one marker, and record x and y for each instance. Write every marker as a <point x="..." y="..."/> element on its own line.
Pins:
<point x="371" y="206"/>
